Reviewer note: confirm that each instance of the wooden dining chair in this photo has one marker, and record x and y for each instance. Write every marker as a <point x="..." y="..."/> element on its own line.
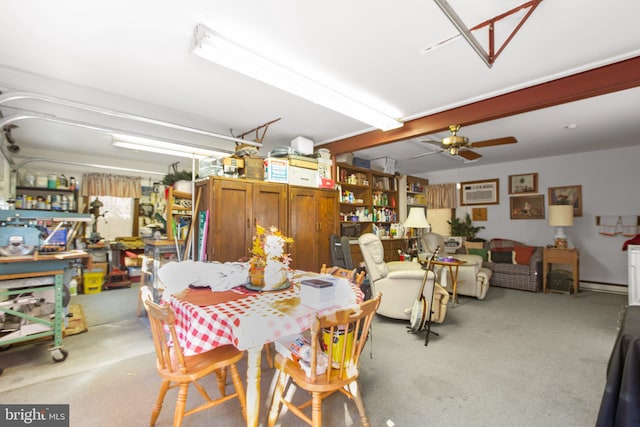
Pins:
<point x="343" y="350"/>
<point x="178" y="370"/>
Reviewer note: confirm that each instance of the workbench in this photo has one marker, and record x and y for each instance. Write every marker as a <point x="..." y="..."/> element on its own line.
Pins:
<point x="24" y="275"/>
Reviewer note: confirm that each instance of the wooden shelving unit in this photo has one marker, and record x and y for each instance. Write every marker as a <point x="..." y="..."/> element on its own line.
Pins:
<point x="367" y="197"/>
<point x="179" y="212"/>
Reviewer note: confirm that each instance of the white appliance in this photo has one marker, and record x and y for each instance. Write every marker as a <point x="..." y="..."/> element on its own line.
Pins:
<point x="634" y="274"/>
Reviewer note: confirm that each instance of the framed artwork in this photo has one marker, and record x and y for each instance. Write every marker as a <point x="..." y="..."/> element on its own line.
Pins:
<point x="523" y="183"/>
<point x="479" y="214"/>
<point x="527" y="207"/>
<point x="567" y="195"/>
<point x="480" y="192"/>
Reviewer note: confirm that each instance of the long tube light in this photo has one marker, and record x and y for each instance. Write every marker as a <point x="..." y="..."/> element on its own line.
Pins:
<point x="211" y="46"/>
<point x="162" y="147"/>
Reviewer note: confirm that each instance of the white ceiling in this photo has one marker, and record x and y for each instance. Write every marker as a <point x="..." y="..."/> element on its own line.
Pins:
<point x="133" y="57"/>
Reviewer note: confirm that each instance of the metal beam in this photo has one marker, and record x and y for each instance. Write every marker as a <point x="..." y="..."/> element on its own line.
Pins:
<point x="598" y="81"/>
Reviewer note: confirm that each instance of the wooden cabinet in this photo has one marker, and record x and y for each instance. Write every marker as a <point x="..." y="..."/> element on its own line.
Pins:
<point x="368" y="198"/>
<point x="179" y="214"/>
<point x="313" y="217"/>
<point x="235" y="207"/>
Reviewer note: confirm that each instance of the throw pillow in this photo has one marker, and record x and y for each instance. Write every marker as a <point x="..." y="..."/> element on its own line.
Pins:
<point x="523" y="254"/>
<point x="502" y="257"/>
<point x="484" y="253"/>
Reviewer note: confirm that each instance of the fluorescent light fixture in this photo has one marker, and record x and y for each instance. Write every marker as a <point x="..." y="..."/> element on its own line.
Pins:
<point x="211" y="46"/>
<point x="162" y="147"/>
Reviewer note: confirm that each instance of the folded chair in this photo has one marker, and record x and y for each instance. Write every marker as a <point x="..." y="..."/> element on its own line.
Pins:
<point x="346" y="334"/>
<point x="178" y="370"/>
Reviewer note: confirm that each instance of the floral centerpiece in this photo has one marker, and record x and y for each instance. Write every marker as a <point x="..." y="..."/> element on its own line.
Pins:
<point x="269" y="263"/>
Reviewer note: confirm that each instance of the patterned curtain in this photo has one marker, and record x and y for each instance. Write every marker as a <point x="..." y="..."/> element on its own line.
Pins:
<point x="441" y="196"/>
<point x="101" y="184"/>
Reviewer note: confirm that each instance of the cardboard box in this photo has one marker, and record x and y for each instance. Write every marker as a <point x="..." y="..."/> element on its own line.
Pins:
<point x="233" y="161"/>
<point x="384" y="164"/>
<point x="254" y="168"/>
<point x="276" y="169"/>
<point x="303" y="177"/>
<point x="345" y="158"/>
<point x="361" y="163"/>
<point x="326" y="183"/>
<point x="303" y="162"/>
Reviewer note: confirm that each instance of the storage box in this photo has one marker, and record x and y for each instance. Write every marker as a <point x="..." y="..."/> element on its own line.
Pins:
<point x="303" y="162"/>
<point x="560" y="281"/>
<point x="345" y="158"/>
<point x="101" y="266"/>
<point x="92" y="281"/>
<point x="233" y="161"/>
<point x="132" y="262"/>
<point x="254" y="168"/>
<point x="276" y="169"/>
<point x="134" y="272"/>
<point x="326" y="183"/>
<point x="384" y="164"/>
<point x="317" y="293"/>
<point x="303" y="177"/>
<point x="361" y="163"/>
<point x="302" y="145"/>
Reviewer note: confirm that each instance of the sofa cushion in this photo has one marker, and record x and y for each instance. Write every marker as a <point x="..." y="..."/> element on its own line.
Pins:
<point x="523" y="254"/>
<point x="502" y="257"/>
<point x="484" y="253"/>
<point x="511" y="269"/>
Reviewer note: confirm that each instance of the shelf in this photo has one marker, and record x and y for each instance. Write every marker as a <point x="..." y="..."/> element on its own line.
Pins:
<point x="46" y="189"/>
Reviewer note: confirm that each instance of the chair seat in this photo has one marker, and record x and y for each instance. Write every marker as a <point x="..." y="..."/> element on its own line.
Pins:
<point x="200" y="364"/>
<point x="321" y="384"/>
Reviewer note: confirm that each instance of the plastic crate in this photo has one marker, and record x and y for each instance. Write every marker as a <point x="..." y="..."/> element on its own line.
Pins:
<point x="92" y="282"/>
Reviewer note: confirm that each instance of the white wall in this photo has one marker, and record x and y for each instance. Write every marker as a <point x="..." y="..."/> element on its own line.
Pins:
<point x="609" y="180"/>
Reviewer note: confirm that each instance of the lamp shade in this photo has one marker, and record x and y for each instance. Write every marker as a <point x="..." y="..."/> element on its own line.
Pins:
<point x="561" y="215"/>
<point x="416" y="219"/>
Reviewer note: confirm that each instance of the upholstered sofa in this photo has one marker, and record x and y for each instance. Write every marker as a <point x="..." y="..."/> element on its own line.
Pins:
<point x="513" y="264"/>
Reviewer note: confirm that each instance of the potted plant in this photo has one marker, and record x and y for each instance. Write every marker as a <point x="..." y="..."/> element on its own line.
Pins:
<point x="464" y="228"/>
<point x="172" y="177"/>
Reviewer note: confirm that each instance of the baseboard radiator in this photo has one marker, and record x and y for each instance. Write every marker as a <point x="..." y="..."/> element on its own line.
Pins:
<point x="611" y="288"/>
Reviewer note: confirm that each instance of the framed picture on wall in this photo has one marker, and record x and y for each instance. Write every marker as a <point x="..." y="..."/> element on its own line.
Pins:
<point x="527" y="207"/>
<point x="480" y="192"/>
<point x="523" y="183"/>
<point x="567" y="195"/>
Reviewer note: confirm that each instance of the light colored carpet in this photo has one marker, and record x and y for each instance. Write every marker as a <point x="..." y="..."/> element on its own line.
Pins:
<point x="516" y="358"/>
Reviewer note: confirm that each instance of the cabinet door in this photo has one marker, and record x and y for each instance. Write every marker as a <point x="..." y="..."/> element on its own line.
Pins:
<point x="302" y="207"/>
<point x="327" y="210"/>
<point x="231" y="220"/>
<point x="269" y="206"/>
<point x="313" y="218"/>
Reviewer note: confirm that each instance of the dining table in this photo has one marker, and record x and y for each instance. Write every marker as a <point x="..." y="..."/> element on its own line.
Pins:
<point x="249" y="319"/>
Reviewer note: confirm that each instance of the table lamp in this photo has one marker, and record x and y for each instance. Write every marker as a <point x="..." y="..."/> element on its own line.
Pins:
<point x="560" y="216"/>
<point x="417" y="219"/>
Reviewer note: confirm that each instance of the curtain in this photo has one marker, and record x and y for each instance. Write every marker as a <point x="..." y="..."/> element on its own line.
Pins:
<point x="441" y="196"/>
<point x="101" y="184"/>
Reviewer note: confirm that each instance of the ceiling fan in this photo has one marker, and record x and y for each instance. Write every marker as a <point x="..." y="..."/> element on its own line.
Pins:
<point x="457" y="145"/>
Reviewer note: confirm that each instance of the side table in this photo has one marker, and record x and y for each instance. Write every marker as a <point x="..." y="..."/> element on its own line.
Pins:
<point x="561" y="256"/>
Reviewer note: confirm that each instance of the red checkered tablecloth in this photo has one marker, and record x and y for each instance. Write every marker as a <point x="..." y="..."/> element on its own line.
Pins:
<point x="246" y="318"/>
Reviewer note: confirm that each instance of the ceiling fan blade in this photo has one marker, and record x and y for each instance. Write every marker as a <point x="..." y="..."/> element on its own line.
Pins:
<point x="424" y="155"/>
<point x="493" y="142"/>
<point x="469" y="155"/>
